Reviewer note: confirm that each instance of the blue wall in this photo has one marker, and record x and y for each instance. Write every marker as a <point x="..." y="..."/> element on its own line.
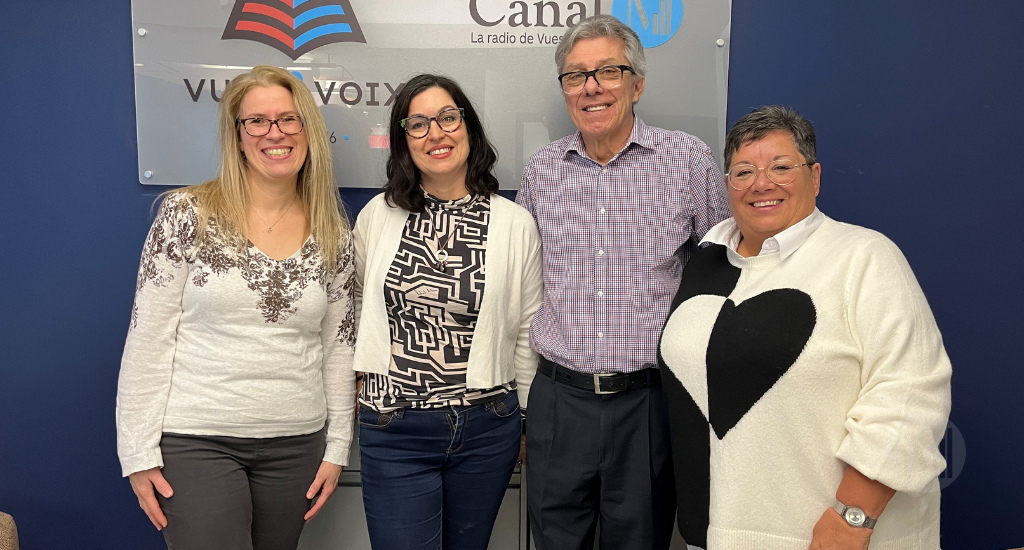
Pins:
<point x="917" y="110"/>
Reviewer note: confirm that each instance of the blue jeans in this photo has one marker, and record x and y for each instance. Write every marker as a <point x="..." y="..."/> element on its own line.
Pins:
<point x="434" y="479"/>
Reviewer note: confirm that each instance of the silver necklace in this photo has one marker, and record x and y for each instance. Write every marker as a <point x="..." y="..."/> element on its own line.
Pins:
<point x="441" y="256"/>
<point x="270" y="227"/>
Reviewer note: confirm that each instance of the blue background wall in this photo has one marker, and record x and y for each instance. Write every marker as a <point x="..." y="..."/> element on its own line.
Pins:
<point x="917" y="106"/>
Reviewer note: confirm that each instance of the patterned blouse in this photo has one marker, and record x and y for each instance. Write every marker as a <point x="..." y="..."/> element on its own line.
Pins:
<point x="432" y="312"/>
<point x="234" y="344"/>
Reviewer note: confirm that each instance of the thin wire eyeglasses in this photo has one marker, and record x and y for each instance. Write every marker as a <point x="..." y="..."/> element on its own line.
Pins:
<point x="448" y="120"/>
<point x="259" y="126"/>
<point x="609" y="76"/>
<point x="779" y="172"/>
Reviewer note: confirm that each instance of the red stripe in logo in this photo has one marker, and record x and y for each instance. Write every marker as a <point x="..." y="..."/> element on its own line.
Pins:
<point x="266" y="30"/>
<point x="269" y="12"/>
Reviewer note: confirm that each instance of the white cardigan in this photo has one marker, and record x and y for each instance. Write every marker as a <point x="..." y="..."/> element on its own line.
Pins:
<point x="513" y="289"/>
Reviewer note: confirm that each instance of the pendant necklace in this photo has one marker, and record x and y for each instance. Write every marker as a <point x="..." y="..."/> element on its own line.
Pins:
<point x="441" y="256"/>
<point x="270" y="227"/>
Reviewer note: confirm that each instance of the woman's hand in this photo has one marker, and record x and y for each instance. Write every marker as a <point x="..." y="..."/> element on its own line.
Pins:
<point x="833" y="533"/>
<point x="325" y="483"/>
<point x="522" y="450"/>
<point x="144" y="483"/>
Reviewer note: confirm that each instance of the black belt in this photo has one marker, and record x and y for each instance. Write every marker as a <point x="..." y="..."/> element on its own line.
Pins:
<point x="600" y="383"/>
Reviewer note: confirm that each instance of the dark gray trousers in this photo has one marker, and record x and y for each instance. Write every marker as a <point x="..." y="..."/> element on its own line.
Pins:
<point x="234" y="493"/>
<point x="594" y="459"/>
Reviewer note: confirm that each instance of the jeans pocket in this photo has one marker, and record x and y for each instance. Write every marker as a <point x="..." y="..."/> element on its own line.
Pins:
<point x="506" y="406"/>
<point x="373" y="419"/>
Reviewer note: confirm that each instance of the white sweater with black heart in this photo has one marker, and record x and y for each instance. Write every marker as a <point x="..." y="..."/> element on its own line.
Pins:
<point x="780" y="372"/>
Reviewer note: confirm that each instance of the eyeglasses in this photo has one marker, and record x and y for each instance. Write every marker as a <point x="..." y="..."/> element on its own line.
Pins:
<point x="259" y="126"/>
<point x="418" y="126"/>
<point x="609" y="76"/>
<point x="779" y="172"/>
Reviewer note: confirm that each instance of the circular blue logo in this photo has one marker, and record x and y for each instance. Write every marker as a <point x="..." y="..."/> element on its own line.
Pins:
<point x="655" y="21"/>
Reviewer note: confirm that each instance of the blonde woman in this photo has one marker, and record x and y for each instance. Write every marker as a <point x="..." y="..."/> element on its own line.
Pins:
<point x="234" y="404"/>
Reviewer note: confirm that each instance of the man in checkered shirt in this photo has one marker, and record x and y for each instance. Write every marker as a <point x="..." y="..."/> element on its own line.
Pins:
<point x="620" y="206"/>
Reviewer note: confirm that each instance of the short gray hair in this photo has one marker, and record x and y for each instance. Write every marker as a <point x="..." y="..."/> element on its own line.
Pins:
<point x="762" y="121"/>
<point x="600" y="26"/>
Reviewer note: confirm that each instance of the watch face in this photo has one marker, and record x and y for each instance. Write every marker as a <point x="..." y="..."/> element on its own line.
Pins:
<point x="855" y="516"/>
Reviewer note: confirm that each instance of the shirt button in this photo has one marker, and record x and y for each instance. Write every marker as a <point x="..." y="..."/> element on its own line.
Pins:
<point x="600" y="293"/>
<point x="604" y="171"/>
<point x="600" y="335"/>
<point x="602" y="210"/>
<point x="600" y="252"/>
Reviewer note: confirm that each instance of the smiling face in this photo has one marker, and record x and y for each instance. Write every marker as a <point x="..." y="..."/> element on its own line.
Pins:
<point x="765" y="209"/>
<point x="602" y="114"/>
<point x="276" y="156"/>
<point x="440" y="156"/>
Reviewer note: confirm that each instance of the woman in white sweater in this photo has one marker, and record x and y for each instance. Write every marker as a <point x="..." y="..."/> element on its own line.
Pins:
<point x="234" y="404"/>
<point x="450" y="279"/>
<point x="807" y="383"/>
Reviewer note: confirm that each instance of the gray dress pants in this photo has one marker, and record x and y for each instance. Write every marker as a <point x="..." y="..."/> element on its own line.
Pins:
<point x="234" y="493"/>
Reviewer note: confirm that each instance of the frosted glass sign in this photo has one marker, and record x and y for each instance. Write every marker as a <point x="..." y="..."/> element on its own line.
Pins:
<point x="355" y="56"/>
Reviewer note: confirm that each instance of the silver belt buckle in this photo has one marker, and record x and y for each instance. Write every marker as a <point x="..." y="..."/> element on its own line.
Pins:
<point x="597" y="383"/>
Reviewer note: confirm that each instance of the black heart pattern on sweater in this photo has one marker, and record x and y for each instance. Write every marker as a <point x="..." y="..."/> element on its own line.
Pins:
<point x="752" y="345"/>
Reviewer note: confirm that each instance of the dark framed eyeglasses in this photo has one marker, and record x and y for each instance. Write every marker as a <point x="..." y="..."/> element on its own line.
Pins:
<point x="609" y="76"/>
<point x="780" y="172"/>
<point x="259" y="126"/>
<point x="418" y="126"/>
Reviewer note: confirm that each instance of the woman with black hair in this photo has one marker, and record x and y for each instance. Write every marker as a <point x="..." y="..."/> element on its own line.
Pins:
<point x="449" y="276"/>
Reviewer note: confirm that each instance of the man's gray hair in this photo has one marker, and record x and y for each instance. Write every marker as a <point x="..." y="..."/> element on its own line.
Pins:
<point x="762" y="121"/>
<point x="604" y="26"/>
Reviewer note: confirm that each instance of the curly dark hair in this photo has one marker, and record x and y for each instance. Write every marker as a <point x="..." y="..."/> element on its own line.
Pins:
<point x="403" y="186"/>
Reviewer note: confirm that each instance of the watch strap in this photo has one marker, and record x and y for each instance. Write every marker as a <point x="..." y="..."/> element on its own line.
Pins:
<point x="842" y="509"/>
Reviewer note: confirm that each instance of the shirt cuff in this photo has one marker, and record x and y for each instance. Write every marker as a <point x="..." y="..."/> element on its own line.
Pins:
<point x="145" y="460"/>
<point x="336" y="454"/>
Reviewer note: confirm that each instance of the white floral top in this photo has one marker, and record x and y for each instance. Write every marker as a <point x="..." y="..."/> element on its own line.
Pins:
<point x="230" y="344"/>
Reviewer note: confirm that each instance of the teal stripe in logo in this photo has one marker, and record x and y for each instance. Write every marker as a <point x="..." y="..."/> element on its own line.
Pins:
<point x="317" y="12"/>
<point x="321" y="31"/>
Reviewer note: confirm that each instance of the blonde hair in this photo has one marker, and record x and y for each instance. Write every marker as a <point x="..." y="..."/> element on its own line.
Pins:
<point x="226" y="199"/>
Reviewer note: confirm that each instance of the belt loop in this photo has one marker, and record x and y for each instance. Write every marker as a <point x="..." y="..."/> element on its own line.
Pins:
<point x="554" y="369"/>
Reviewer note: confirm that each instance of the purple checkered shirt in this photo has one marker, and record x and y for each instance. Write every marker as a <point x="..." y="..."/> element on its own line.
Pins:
<point x="615" y="239"/>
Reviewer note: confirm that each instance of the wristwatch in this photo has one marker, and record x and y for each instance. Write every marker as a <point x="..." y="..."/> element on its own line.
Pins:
<point x="854" y="516"/>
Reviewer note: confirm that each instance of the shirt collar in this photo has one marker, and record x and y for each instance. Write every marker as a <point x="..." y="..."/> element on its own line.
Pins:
<point x="641" y="135"/>
<point x="727" y="233"/>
